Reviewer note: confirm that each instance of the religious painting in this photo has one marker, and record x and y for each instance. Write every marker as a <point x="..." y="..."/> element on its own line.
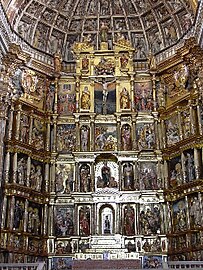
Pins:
<point x="63" y="247"/>
<point x="172" y="130"/>
<point x="66" y="99"/>
<point x="147" y="172"/>
<point x="34" y="218"/>
<point x="21" y="178"/>
<point x="145" y="135"/>
<point x="85" y="177"/>
<point x="16" y="242"/>
<point x="35" y="245"/>
<point x="64" y="181"/>
<point x="106" y="174"/>
<point x="38" y="134"/>
<point x="195" y="212"/>
<point x="195" y="240"/>
<point x="150" y="219"/>
<point x="188" y="165"/>
<point x="179" y="217"/>
<point x="176" y="177"/>
<point x="85" y="100"/>
<point x="128" y="220"/>
<point x="105" y="97"/>
<point x="36" y="175"/>
<point x="126" y="138"/>
<point x="84" y="138"/>
<point x="66" y="135"/>
<point x="152" y="262"/>
<point x="18" y="215"/>
<point x="128" y="175"/>
<point x="143" y="100"/>
<point x="84" y="221"/>
<point x="64" y="221"/>
<point x="105" y="137"/>
<point x="152" y="245"/>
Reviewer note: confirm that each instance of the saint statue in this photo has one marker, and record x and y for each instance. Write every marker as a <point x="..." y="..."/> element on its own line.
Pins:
<point x="104" y="32"/>
<point x="85" y="99"/>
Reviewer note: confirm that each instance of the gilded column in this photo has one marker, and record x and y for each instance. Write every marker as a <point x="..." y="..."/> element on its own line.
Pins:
<point x="92" y="133"/>
<point x="52" y="176"/>
<point x="25" y="216"/>
<point x="7" y="167"/>
<point x="77" y="133"/>
<point x="92" y="177"/>
<point x="30" y="129"/>
<point x="48" y="135"/>
<point x="17" y="133"/>
<point x="180" y="125"/>
<point x="197" y="162"/>
<point x="134" y="140"/>
<point x="15" y="165"/>
<point x="11" y="211"/>
<point x="165" y="174"/>
<point x="163" y="134"/>
<point x="10" y="124"/>
<point x="77" y="91"/>
<point x="156" y="132"/>
<point x="54" y="134"/>
<point x="4" y="212"/>
<point x="119" y="132"/>
<point x="76" y="177"/>
<point x="192" y="120"/>
<point x="154" y="90"/>
<point x="47" y="177"/>
<point x="56" y="96"/>
<point x="28" y="171"/>
<point x="199" y="119"/>
<point x="44" y="220"/>
<point x="51" y="220"/>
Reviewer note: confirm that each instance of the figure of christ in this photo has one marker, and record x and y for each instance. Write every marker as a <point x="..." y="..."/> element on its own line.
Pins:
<point x="105" y="87"/>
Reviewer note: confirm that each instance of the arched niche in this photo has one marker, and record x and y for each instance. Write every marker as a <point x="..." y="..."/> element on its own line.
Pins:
<point x="106" y="220"/>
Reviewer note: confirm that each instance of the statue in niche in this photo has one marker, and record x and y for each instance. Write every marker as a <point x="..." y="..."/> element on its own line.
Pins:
<point x="129" y="221"/>
<point x="29" y="81"/>
<point x="195" y="212"/>
<point x="24" y="128"/>
<point x="107" y="225"/>
<point x="85" y="99"/>
<point x="126" y="140"/>
<point x="50" y="97"/>
<point x="123" y="62"/>
<point x="176" y="174"/>
<point x="179" y="216"/>
<point x="33" y="220"/>
<point x="84" y="219"/>
<point x="18" y="215"/>
<point x="84" y="135"/>
<point x="124" y="99"/>
<point x="38" y="134"/>
<point x="21" y="171"/>
<point x="106" y="174"/>
<point x="128" y="176"/>
<point x="57" y="62"/>
<point x="85" y="178"/>
<point x="189" y="166"/>
<point x="36" y="177"/>
<point x="104" y="32"/>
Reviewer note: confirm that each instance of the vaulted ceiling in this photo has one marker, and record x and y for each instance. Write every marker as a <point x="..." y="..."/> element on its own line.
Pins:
<point x="51" y="25"/>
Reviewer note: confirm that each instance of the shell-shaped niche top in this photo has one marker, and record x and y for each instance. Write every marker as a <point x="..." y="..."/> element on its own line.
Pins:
<point x="55" y="25"/>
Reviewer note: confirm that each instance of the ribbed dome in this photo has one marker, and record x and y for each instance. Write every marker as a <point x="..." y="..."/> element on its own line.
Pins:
<point x="52" y="25"/>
